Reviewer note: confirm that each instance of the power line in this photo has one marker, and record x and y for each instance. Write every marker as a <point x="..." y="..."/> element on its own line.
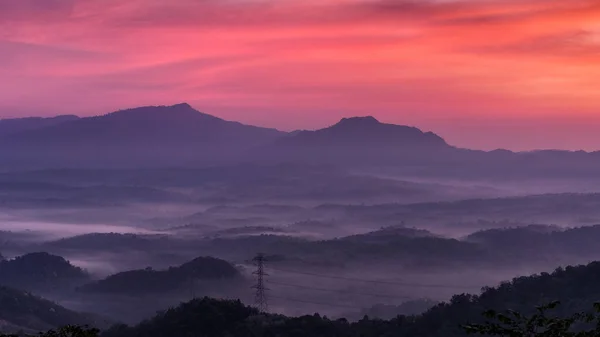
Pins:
<point x="311" y="302"/>
<point x="406" y="284"/>
<point x="339" y="290"/>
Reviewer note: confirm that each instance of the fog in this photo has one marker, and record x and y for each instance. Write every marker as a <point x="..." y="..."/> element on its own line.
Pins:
<point x="338" y="243"/>
<point x="53" y="230"/>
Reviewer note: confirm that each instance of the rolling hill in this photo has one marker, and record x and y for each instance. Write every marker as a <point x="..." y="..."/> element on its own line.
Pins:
<point x="22" y="311"/>
<point x="148" y="281"/>
<point x="40" y="272"/>
<point x="576" y="287"/>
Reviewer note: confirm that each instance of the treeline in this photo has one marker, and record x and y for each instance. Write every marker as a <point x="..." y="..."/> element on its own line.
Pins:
<point x="578" y="288"/>
<point x="462" y="315"/>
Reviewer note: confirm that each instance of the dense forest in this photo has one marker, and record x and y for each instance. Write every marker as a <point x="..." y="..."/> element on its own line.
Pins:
<point x="577" y="288"/>
<point x="40" y="272"/>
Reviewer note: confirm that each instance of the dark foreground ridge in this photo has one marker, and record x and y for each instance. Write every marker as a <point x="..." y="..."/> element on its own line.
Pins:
<point x="578" y="288"/>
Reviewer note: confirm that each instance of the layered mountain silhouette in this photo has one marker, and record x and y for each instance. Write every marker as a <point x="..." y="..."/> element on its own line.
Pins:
<point x="357" y="141"/>
<point x="147" y="281"/>
<point x="146" y="136"/>
<point x="179" y="135"/>
<point x="365" y="132"/>
<point x="40" y="271"/>
<point x="154" y="125"/>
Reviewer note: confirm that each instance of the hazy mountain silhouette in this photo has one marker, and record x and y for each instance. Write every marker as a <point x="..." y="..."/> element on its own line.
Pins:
<point x="365" y="132"/>
<point x="147" y="281"/>
<point x="145" y="136"/>
<point x="178" y="124"/>
<point x="179" y="135"/>
<point x="40" y="271"/>
<point x="357" y="141"/>
<point x="23" y="311"/>
<point x="17" y="125"/>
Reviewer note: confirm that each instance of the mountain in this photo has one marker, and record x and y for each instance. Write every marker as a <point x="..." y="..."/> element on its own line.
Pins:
<point x="358" y="142"/>
<point x="16" y="125"/>
<point x="149" y="281"/>
<point x="360" y="132"/>
<point x="180" y="136"/>
<point x="178" y="124"/>
<point x="577" y="288"/>
<point x="146" y="136"/>
<point x="40" y="272"/>
<point x="20" y="310"/>
<point x="542" y="240"/>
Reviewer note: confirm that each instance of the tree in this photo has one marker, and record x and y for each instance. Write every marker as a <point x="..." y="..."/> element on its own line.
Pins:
<point x="67" y="331"/>
<point x="515" y="324"/>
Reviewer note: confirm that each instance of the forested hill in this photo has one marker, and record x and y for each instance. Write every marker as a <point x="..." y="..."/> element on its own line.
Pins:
<point x="576" y="287"/>
<point x="147" y="281"/>
<point x="22" y="311"/>
<point x="40" y="271"/>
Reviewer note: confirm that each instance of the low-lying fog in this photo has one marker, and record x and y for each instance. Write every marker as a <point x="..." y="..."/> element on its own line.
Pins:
<point x="352" y="250"/>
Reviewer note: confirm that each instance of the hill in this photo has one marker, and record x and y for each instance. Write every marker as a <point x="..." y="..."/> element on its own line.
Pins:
<point x="40" y="272"/>
<point x="576" y="287"/>
<point x="20" y="310"/>
<point x="136" y="282"/>
<point x="548" y="241"/>
<point x="112" y="242"/>
<point x="390" y="233"/>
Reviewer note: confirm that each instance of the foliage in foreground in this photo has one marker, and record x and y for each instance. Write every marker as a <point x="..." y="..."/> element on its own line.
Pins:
<point x="66" y="331"/>
<point x="515" y="324"/>
<point x="246" y="321"/>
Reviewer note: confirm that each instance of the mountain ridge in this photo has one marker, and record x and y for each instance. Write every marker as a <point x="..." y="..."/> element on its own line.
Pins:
<point x="179" y="135"/>
<point x="9" y="126"/>
<point x="175" y="123"/>
<point x="364" y="131"/>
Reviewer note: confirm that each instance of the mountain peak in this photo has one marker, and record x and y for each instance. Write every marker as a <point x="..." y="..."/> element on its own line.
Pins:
<point x="366" y="120"/>
<point x="181" y="106"/>
<point x="367" y="131"/>
<point x="359" y="119"/>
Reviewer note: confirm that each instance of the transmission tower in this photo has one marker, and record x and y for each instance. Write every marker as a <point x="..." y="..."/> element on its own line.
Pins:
<point x="260" y="297"/>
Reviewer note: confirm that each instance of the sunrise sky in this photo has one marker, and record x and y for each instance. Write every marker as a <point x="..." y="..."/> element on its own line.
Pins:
<point x="518" y="74"/>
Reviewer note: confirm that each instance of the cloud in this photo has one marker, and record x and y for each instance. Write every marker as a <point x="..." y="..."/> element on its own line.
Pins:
<point x="405" y="60"/>
<point x="29" y="9"/>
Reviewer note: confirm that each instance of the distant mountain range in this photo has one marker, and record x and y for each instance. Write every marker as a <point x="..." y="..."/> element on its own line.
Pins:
<point x="17" y="125"/>
<point x="179" y="135"/>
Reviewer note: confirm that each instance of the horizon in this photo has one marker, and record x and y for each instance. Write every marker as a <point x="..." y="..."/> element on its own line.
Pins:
<point x="313" y="129"/>
<point x="485" y="75"/>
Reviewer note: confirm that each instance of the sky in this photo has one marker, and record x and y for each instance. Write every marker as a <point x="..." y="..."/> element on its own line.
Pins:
<point x="485" y="74"/>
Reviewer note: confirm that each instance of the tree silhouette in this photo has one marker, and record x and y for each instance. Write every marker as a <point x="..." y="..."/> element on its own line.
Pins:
<point x="515" y="324"/>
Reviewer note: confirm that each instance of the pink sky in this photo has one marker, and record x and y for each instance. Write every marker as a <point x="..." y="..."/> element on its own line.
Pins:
<point x="518" y="74"/>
